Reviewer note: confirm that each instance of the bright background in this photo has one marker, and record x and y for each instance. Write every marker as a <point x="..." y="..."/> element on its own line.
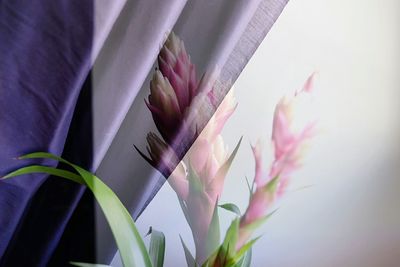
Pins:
<point x="350" y="215"/>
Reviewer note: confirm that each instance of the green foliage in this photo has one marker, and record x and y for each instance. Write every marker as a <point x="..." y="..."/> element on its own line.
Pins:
<point x="227" y="254"/>
<point x="131" y="246"/>
<point x="129" y="241"/>
<point x="271" y="186"/>
<point x="257" y="223"/>
<point x="231" y="207"/>
<point x="191" y="262"/>
<point x="243" y="251"/>
<point x="213" y="235"/>
<point x="49" y="170"/>
<point x="245" y="261"/>
<point x="157" y="247"/>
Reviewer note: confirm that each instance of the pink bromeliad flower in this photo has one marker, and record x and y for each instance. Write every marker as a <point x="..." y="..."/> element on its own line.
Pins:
<point x="199" y="178"/>
<point x="174" y="88"/>
<point x="293" y="125"/>
<point x="179" y="104"/>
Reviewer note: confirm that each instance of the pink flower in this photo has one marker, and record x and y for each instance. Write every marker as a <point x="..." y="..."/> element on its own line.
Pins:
<point x="179" y="103"/>
<point x="165" y="160"/>
<point x="293" y="125"/>
<point x="175" y="65"/>
<point x="203" y="169"/>
<point x="208" y="153"/>
<point x="173" y="89"/>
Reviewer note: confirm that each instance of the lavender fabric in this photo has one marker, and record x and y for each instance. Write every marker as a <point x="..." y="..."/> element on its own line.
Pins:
<point x="47" y="49"/>
<point x="227" y="38"/>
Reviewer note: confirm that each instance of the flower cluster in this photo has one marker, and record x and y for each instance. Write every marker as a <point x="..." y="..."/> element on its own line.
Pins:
<point x="199" y="178"/>
<point x="172" y="89"/>
<point x="293" y="125"/>
<point x="178" y="101"/>
<point x="197" y="162"/>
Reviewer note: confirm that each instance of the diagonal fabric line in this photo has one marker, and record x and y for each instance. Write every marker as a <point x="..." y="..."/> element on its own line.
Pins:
<point x="230" y="71"/>
<point x="110" y="101"/>
<point x="134" y="181"/>
<point x="267" y="13"/>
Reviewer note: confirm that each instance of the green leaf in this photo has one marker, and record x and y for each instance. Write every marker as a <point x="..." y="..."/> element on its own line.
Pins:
<point x="244" y="249"/>
<point x="121" y="223"/>
<point x="213" y="235"/>
<point x="184" y="210"/>
<point x="257" y="223"/>
<point x="226" y="255"/>
<point x="271" y="186"/>
<point x="191" y="262"/>
<point x="122" y="226"/>
<point x="245" y="261"/>
<point x="231" y="237"/>
<point x="157" y="248"/>
<point x="195" y="185"/>
<point x="83" y="264"/>
<point x="231" y="207"/>
<point x="49" y="170"/>
<point x="250" y="188"/>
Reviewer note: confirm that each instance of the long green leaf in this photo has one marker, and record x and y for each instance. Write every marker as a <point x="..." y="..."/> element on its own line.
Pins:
<point x="190" y="261"/>
<point x="157" y="247"/>
<point x="184" y="210"/>
<point x="213" y="235"/>
<point x="121" y="223"/>
<point x="251" y="188"/>
<point x="195" y="185"/>
<point x="226" y="251"/>
<point x="244" y="249"/>
<point x="231" y="237"/>
<point x="49" y="170"/>
<point x="245" y="261"/>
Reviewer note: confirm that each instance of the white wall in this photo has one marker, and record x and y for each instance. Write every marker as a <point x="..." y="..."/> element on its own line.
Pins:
<point x="350" y="215"/>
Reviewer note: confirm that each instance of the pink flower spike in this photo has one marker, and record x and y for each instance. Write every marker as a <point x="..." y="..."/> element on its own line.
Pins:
<point x="293" y="125"/>
<point x="257" y="150"/>
<point x="172" y="89"/>
<point x="310" y="83"/>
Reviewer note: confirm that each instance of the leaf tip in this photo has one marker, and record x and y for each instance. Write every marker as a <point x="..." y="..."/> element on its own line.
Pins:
<point x="150" y="231"/>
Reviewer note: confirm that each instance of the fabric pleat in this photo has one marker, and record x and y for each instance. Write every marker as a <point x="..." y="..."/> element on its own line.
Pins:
<point x="73" y="76"/>
<point x="45" y="54"/>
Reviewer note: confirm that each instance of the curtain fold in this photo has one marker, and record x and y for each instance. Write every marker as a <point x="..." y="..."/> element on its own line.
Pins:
<point x="45" y="53"/>
<point x="226" y="40"/>
<point x="54" y="45"/>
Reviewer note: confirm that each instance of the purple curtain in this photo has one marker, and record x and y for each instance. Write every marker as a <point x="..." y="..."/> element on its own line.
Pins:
<point x="44" y="61"/>
<point x="73" y="76"/>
